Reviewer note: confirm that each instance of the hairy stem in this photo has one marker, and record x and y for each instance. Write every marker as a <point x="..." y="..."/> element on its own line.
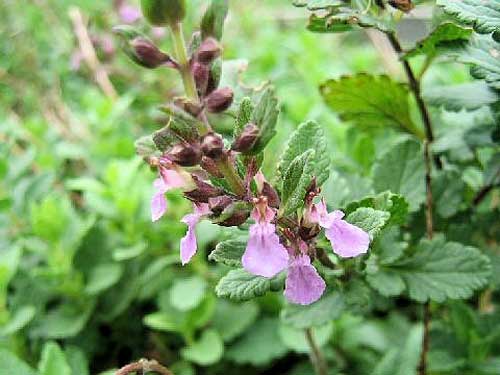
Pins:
<point x="414" y="83"/>
<point x="143" y="367"/>
<point x="317" y="358"/>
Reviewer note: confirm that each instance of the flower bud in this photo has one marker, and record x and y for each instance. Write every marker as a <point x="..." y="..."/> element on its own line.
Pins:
<point x="232" y="215"/>
<point x="219" y="100"/>
<point x="208" y="51"/>
<point x="185" y="154"/>
<point x="203" y="192"/>
<point x="246" y="139"/>
<point x="219" y="204"/>
<point x="273" y="199"/>
<point x="209" y="165"/>
<point x="212" y="145"/>
<point x="402" y="5"/>
<point x="146" y="54"/>
<point x="201" y="74"/>
<point x="188" y="106"/>
<point x="214" y="75"/>
<point x="163" y="12"/>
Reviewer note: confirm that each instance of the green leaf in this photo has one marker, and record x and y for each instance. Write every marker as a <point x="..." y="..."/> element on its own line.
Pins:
<point x="77" y="361"/>
<point x="368" y="219"/>
<point x="296" y="181"/>
<point x="387" y="283"/>
<point x="317" y="4"/>
<point x="244" y="116"/>
<point x="492" y="171"/>
<point x="439" y="270"/>
<point x="126" y="253"/>
<point x="484" y="16"/>
<point x="309" y="135"/>
<point x="265" y="116"/>
<point x="186" y="294"/>
<point x="229" y="252"/>
<point x="483" y="54"/>
<point x="395" y="204"/>
<point x="53" y="361"/>
<point x="448" y="191"/>
<point x="444" y="35"/>
<point x="231" y="319"/>
<point x="103" y="277"/>
<point x="145" y="146"/>
<point x="472" y="95"/>
<point x="212" y="23"/>
<point x="11" y="365"/>
<point x="295" y="338"/>
<point x="328" y="308"/>
<point x="240" y="285"/>
<point x="370" y="102"/>
<point x="206" y="351"/>
<point x="325" y="24"/>
<point x="181" y="125"/>
<point x="19" y="320"/>
<point x="342" y="19"/>
<point x="401" y="170"/>
<point x="259" y="346"/>
<point x="162" y="321"/>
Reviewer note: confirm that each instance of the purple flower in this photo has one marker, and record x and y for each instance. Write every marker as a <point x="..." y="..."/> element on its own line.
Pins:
<point x="347" y="240"/>
<point x="169" y="179"/>
<point x="188" y="243"/>
<point x="264" y="254"/>
<point x="303" y="284"/>
<point x="129" y="13"/>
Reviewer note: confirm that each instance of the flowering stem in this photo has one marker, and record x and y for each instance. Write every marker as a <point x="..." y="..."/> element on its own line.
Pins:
<point x="414" y="83"/>
<point x="317" y="358"/>
<point x="227" y="169"/>
<point x="143" y="367"/>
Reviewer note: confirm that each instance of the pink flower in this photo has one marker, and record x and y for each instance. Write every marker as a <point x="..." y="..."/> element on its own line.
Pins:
<point x="303" y="284"/>
<point x="347" y="240"/>
<point x="129" y="13"/>
<point x="264" y="254"/>
<point x="169" y="179"/>
<point x="188" y="243"/>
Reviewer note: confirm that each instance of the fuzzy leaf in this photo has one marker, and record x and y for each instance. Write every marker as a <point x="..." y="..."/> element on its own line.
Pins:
<point x="468" y="96"/>
<point x="395" y="204"/>
<point x="212" y="23"/>
<point x="181" y="124"/>
<point x="244" y="116"/>
<point x="265" y="116"/>
<point x="318" y="4"/>
<point x="325" y="24"/>
<point x="343" y="18"/>
<point x="368" y="219"/>
<point x="370" y="102"/>
<point x="401" y="170"/>
<point x="229" y="252"/>
<point x="445" y="34"/>
<point x="145" y="146"/>
<point x="484" y="16"/>
<point x="309" y="135"/>
<point x="437" y="271"/>
<point x="296" y="180"/>
<point x="239" y="285"/>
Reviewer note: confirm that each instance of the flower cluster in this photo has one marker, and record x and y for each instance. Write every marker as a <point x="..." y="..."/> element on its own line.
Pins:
<point x="223" y="180"/>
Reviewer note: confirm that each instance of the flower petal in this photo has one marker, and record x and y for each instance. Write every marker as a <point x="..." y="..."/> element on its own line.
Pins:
<point x="347" y="240"/>
<point x="158" y="202"/>
<point x="264" y="255"/>
<point x="303" y="284"/>
<point x="188" y="242"/>
<point x="172" y="179"/>
<point x="129" y="13"/>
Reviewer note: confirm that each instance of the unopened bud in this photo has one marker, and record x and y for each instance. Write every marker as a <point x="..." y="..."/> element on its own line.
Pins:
<point x="146" y="54"/>
<point x="219" y="100"/>
<point x="212" y="145"/>
<point x="163" y="12"/>
<point x="209" y="165"/>
<point x="185" y="154"/>
<point x="188" y="106"/>
<point x="201" y="74"/>
<point x="233" y="215"/>
<point x="208" y="51"/>
<point x="246" y="139"/>
<point x="402" y="5"/>
<point x="203" y="192"/>
<point x="219" y="204"/>
<point x="273" y="199"/>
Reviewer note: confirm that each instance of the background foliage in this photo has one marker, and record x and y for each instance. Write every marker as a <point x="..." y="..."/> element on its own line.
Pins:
<point x="87" y="283"/>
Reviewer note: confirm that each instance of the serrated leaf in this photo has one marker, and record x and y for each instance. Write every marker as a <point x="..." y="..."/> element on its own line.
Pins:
<point x="484" y="16"/>
<point x="443" y="35"/>
<point x="370" y="102"/>
<point x="395" y="204"/>
<point x="468" y="96"/>
<point x="344" y="17"/>
<point x="229" y="252"/>
<point x="10" y="365"/>
<point x="368" y="219"/>
<point x="244" y="116"/>
<point x="206" y="351"/>
<point x="259" y="346"/>
<point x="239" y="285"/>
<point x="265" y="116"/>
<point x="325" y="24"/>
<point x="145" y="146"/>
<point x="440" y="270"/>
<point x="401" y="170"/>
<point x="388" y="284"/>
<point x="309" y="135"/>
<point x="328" y="308"/>
<point x="296" y="180"/>
<point x="53" y="361"/>
<point x="231" y="319"/>
<point x="212" y="24"/>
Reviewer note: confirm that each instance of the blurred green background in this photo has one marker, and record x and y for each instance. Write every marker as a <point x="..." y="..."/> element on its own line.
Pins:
<point x="87" y="282"/>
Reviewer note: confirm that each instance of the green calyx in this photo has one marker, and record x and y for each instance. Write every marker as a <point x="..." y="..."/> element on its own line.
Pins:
<point x="163" y="12"/>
